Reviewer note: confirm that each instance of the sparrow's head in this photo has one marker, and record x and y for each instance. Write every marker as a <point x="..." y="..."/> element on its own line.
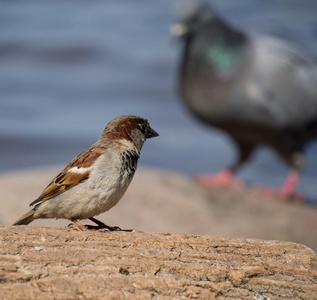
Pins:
<point x="190" y="15"/>
<point x="127" y="131"/>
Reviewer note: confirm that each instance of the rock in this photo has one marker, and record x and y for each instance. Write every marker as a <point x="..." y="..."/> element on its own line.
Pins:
<point x="161" y="200"/>
<point x="143" y="265"/>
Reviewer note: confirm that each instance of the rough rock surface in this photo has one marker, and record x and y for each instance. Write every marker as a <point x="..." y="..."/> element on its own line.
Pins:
<point x="160" y="200"/>
<point x="61" y="263"/>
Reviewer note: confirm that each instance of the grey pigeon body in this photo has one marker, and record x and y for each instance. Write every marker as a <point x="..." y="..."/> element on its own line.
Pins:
<point x="258" y="89"/>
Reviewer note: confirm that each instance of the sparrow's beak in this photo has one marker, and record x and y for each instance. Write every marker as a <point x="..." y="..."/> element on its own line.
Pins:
<point x="179" y="29"/>
<point x="150" y="133"/>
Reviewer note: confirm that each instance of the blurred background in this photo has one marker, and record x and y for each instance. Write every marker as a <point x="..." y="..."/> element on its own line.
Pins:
<point x="68" y="67"/>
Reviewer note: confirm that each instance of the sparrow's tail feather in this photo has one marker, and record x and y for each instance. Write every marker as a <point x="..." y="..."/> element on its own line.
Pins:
<point x="26" y="218"/>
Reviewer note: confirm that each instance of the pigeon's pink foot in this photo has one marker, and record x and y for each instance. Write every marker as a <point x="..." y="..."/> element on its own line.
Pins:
<point x="288" y="190"/>
<point x="225" y="178"/>
<point x="281" y="194"/>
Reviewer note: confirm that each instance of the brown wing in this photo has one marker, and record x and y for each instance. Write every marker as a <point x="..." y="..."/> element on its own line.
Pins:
<point x="67" y="179"/>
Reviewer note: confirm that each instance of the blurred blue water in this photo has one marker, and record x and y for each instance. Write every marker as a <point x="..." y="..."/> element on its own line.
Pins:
<point x="68" y="67"/>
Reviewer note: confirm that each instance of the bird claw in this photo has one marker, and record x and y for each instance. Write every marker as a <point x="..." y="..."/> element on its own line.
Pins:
<point x="288" y="190"/>
<point x="75" y="227"/>
<point x="281" y="194"/>
<point x="115" y="228"/>
<point x="107" y="229"/>
<point x="223" y="178"/>
<point x="103" y="228"/>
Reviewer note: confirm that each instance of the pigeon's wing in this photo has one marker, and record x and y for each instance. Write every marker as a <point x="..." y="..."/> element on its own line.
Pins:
<point x="282" y="84"/>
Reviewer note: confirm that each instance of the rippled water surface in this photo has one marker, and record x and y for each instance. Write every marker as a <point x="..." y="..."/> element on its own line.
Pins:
<point x="68" y="67"/>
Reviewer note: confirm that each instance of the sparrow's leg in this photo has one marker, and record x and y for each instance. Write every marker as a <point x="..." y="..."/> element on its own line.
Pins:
<point x="104" y="226"/>
<point x="79" y="226"/>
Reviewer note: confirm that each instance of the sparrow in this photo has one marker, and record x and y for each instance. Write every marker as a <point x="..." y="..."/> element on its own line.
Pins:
<point x="95" y="180"/>
<point x="258" y="89"/>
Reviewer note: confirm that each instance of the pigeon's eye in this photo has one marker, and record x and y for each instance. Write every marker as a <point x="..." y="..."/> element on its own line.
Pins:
<point x="198" y="16"/>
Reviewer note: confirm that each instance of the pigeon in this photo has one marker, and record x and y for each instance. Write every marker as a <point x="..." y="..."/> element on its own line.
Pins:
<point x="258" y="89"/>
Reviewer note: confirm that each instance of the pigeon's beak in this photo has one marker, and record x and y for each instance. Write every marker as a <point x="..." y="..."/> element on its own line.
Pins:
<point x="179" y="29"/>
<point x="150" y="133"/>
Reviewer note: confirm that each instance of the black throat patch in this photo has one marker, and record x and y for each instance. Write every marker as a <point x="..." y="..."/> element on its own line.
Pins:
<point x="129" y="161"/>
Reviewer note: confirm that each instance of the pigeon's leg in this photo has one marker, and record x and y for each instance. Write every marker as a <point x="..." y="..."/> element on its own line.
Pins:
<point x="104" y="226"/>
<point x="226" y="177"/>
<point x="288" y="190"/>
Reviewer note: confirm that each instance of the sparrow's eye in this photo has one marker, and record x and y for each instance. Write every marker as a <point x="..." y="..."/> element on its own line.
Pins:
<point x="142" y="127"/>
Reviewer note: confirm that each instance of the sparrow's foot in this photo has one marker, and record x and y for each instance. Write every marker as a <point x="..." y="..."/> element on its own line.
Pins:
<point x="224" y="178"/>
<point x="108" y="228"/>
<point x="115" y="228"/>
<point x="102" y="226"/>
<point x="93" y="227"/>
<point x="77" y="225"/>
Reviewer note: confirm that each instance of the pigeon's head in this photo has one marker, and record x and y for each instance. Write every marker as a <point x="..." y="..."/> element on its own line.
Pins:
<point x="190" y="16"/>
